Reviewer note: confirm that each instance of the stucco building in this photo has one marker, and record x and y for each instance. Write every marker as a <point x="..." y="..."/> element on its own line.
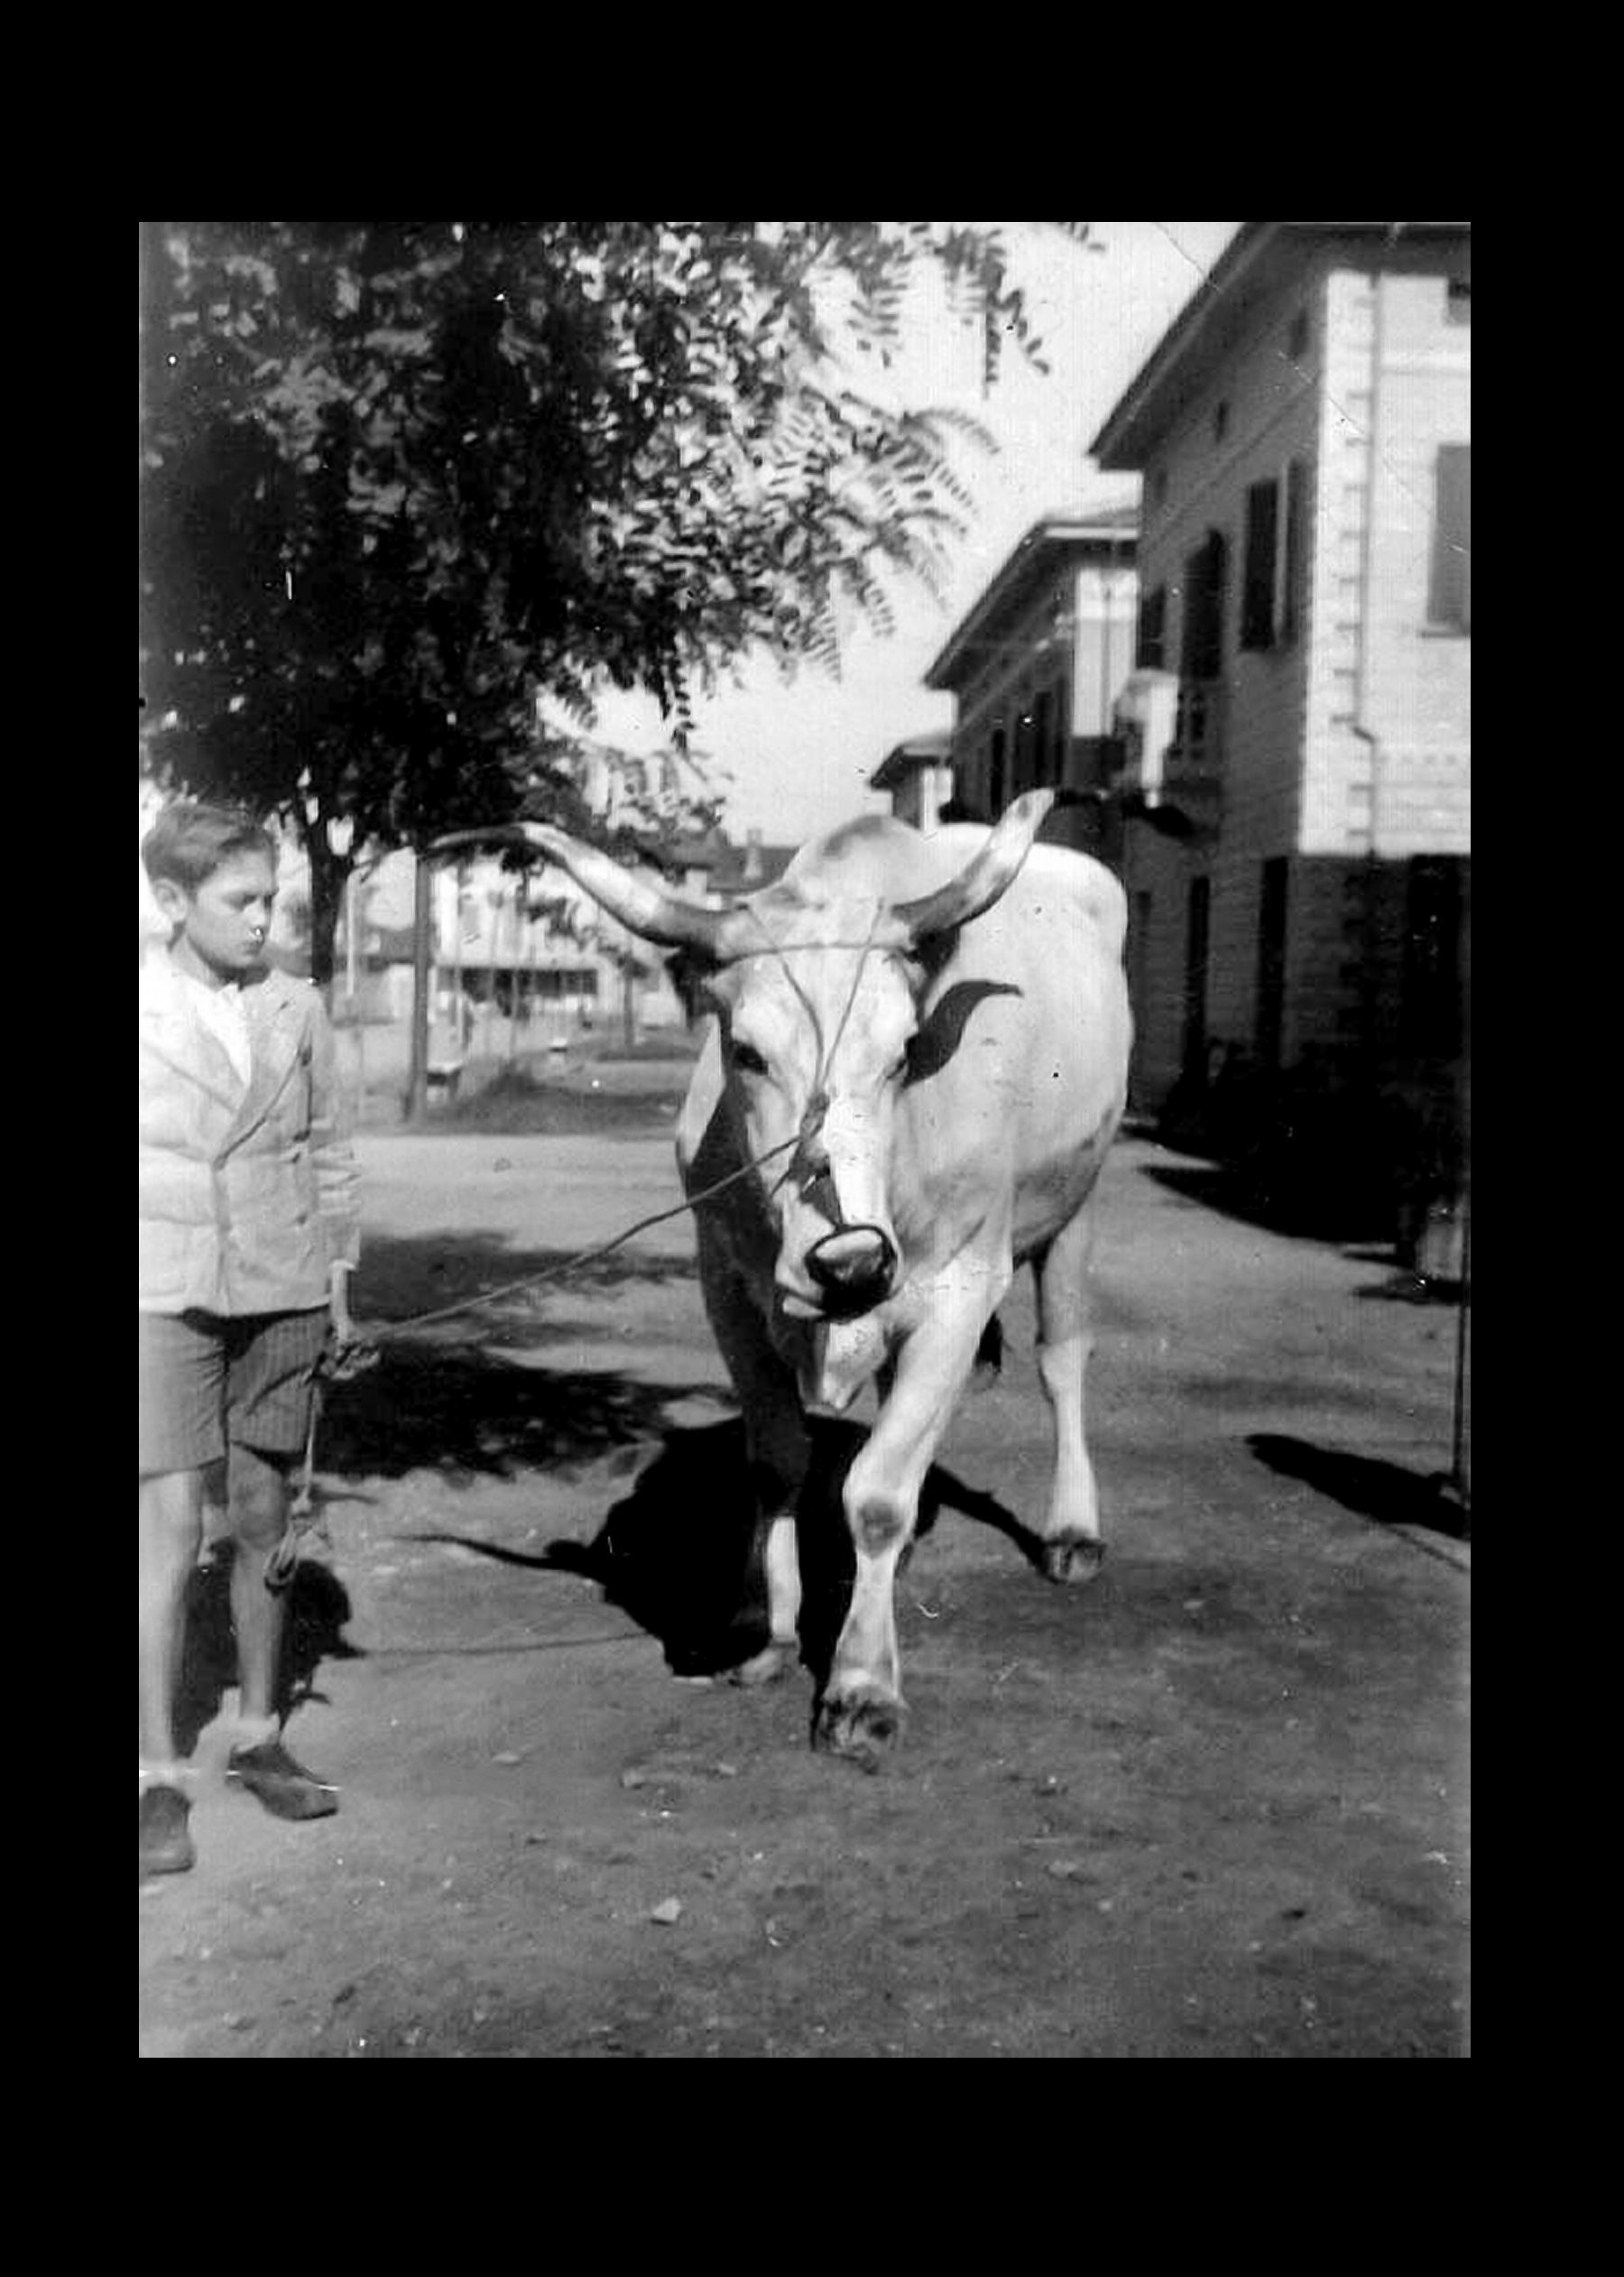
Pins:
<point x="1036" y="664"/>
<point x="1298" y="723"/>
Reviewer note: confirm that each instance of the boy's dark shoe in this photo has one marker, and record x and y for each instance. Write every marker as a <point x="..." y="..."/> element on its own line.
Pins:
<point x="286" y="1789"/>
<point x="166" y="1847"/>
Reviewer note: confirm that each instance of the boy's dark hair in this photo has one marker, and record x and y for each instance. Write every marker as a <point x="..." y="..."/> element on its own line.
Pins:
<point x="189" y="841"/>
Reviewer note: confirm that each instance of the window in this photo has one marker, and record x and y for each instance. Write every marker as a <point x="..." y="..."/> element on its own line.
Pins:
<point x="1457" y="301"/>
<point x="1221" y="422"/>
<point x="1296" y="339"/>
<point x="1294" y="596"/>
<point x="1449" y="597"/>
<point x="1206" y="573"/>
<point x="1272" y="962"/>
<point x="1063" y="703"/>
<point x="1151" y="649"/>
<point x="1258" y="576"/>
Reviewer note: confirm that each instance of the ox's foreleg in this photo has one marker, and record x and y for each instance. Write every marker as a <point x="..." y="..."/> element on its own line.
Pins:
<point x="861" y="1711"/>
<point x="1073" y="1548"/>
<point x="778" y="1450"/>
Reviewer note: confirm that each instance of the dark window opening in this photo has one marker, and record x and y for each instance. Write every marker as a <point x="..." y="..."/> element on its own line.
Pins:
<point x="1221" y="422"/>
<point x="1296" y="339"/>
<point x="1205" y="574"/>
<point x="1433" y="1005"/>
<point x="1150" y="647"/>
<point x="1258" y="576"/>
<point x="995" y="776"/>
<point x="1042" y="715"/>
<point x="1449" y="597"/>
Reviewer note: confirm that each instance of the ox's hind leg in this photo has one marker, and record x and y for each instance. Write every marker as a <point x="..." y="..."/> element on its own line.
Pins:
<point x="1073" y="1548"/>
<point x="778" y="1449"/>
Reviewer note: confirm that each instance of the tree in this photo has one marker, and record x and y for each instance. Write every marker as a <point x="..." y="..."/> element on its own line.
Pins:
<point x="402" y="479"/>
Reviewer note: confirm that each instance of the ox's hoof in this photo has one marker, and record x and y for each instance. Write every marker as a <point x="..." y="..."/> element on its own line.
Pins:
<point x="862" y="1727"/>
<point x="765" y="1667"/>
<point x="1076" y="1562"/>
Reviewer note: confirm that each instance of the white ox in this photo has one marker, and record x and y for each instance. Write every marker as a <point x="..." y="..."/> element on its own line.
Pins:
<point x="923" y="1044"/>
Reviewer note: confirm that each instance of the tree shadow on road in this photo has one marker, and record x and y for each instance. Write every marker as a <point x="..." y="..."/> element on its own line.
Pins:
<point x="1389" y="1492"/>
<point x="467" y="1411"/>
<point x="1301" y="1211"/>
<point x="404" y="1274"/>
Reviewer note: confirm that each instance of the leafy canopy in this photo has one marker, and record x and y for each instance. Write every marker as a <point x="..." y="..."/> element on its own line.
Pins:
<point x="402" y="479"/>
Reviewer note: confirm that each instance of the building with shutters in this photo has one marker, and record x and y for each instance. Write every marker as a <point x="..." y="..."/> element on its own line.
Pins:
<point x="1037" y="666"/>
<point x="1297" y="725"/>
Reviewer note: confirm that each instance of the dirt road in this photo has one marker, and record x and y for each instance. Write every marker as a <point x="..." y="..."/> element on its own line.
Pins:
<point x="1214" y="1805"/>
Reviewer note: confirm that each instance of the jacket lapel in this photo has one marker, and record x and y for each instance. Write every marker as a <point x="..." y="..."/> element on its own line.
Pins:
<point x="276" y="1031"/>
<point x="173" y="1034"/>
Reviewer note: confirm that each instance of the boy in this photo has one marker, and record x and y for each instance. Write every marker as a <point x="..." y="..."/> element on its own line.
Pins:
<point x="248" y="1232"/>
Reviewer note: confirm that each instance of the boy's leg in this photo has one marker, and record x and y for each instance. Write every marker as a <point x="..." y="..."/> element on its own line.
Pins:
<point x="171" y="1527"/>
<point x="181" y="1380"/>
<point x="259" y="1516"/>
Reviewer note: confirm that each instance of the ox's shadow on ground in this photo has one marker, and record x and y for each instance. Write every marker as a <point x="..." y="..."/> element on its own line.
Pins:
<point x="673" y="1552"/>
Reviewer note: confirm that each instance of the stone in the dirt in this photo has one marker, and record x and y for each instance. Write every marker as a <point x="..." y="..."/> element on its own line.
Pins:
<point x="634" y="1778"/>
<point x="668" y="1911"/>
<point x="508" y="1757"/>
<point x="1068" y="1869"/>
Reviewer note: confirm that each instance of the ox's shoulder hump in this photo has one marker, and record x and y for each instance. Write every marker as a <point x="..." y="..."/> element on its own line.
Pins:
<point x="1099" y="889"/>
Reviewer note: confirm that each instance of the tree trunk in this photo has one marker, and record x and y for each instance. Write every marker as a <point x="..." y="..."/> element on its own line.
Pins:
<point x="329" y="874"/>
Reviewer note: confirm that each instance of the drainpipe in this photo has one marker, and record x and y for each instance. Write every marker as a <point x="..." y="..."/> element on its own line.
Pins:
<point x="1362" y="728"/>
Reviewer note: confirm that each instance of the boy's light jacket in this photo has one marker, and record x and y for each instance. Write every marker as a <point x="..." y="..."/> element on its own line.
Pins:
<point x="248" y="1193"/>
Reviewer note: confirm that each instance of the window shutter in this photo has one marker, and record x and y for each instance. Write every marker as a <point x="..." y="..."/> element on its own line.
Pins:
<point x="1150" y="650"/>
<point x="1257" y="601"/>
<point x="1296" y="548"/>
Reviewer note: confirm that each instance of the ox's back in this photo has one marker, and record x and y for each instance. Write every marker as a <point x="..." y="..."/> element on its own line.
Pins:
<point x="1024" y="1054"/>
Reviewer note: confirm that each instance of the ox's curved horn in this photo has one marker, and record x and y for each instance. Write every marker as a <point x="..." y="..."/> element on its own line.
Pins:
<point x="641" y="908"/>
<point x="980" y="882"/>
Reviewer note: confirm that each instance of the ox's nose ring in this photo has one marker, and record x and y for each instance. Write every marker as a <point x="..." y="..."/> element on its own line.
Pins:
<point x="854" y="1267"/>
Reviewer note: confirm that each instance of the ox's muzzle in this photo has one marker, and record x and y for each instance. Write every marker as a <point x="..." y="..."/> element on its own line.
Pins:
<point x="853" y="1268"/>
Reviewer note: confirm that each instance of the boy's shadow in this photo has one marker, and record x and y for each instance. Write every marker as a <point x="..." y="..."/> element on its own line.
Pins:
<point x="317" y="1607"/>
<point x="673" y="1553"/>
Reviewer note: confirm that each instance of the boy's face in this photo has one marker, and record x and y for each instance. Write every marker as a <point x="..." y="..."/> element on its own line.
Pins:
<point x="224" y="922"/>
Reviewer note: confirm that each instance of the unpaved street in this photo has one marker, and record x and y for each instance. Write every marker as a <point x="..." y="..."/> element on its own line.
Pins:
<point x="1214" y="1805"/>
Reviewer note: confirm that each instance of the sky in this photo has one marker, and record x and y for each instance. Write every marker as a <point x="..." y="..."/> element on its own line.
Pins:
<point x="795" y="758"/>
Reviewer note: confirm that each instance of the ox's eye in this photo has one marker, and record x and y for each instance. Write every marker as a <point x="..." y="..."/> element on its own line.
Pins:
<point x="748" y="1059"/>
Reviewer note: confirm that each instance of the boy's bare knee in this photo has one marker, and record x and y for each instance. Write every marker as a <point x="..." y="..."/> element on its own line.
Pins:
<point x="259" y="1499"/>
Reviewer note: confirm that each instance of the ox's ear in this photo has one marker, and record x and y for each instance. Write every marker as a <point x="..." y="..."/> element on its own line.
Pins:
<point x="980" y="882"/>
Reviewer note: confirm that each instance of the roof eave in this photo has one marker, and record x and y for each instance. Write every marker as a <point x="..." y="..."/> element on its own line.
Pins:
<point x="1049" y="536"/>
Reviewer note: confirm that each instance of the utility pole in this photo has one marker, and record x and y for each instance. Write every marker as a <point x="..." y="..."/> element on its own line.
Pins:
<point x="422" y="969"/>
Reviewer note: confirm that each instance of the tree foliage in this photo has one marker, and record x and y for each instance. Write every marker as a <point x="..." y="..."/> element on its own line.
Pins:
<point x="400" y="479"/>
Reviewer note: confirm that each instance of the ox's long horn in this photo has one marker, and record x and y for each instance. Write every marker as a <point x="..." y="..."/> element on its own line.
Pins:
<point x="641" y="908"/>
<point x="980" y="882"/>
